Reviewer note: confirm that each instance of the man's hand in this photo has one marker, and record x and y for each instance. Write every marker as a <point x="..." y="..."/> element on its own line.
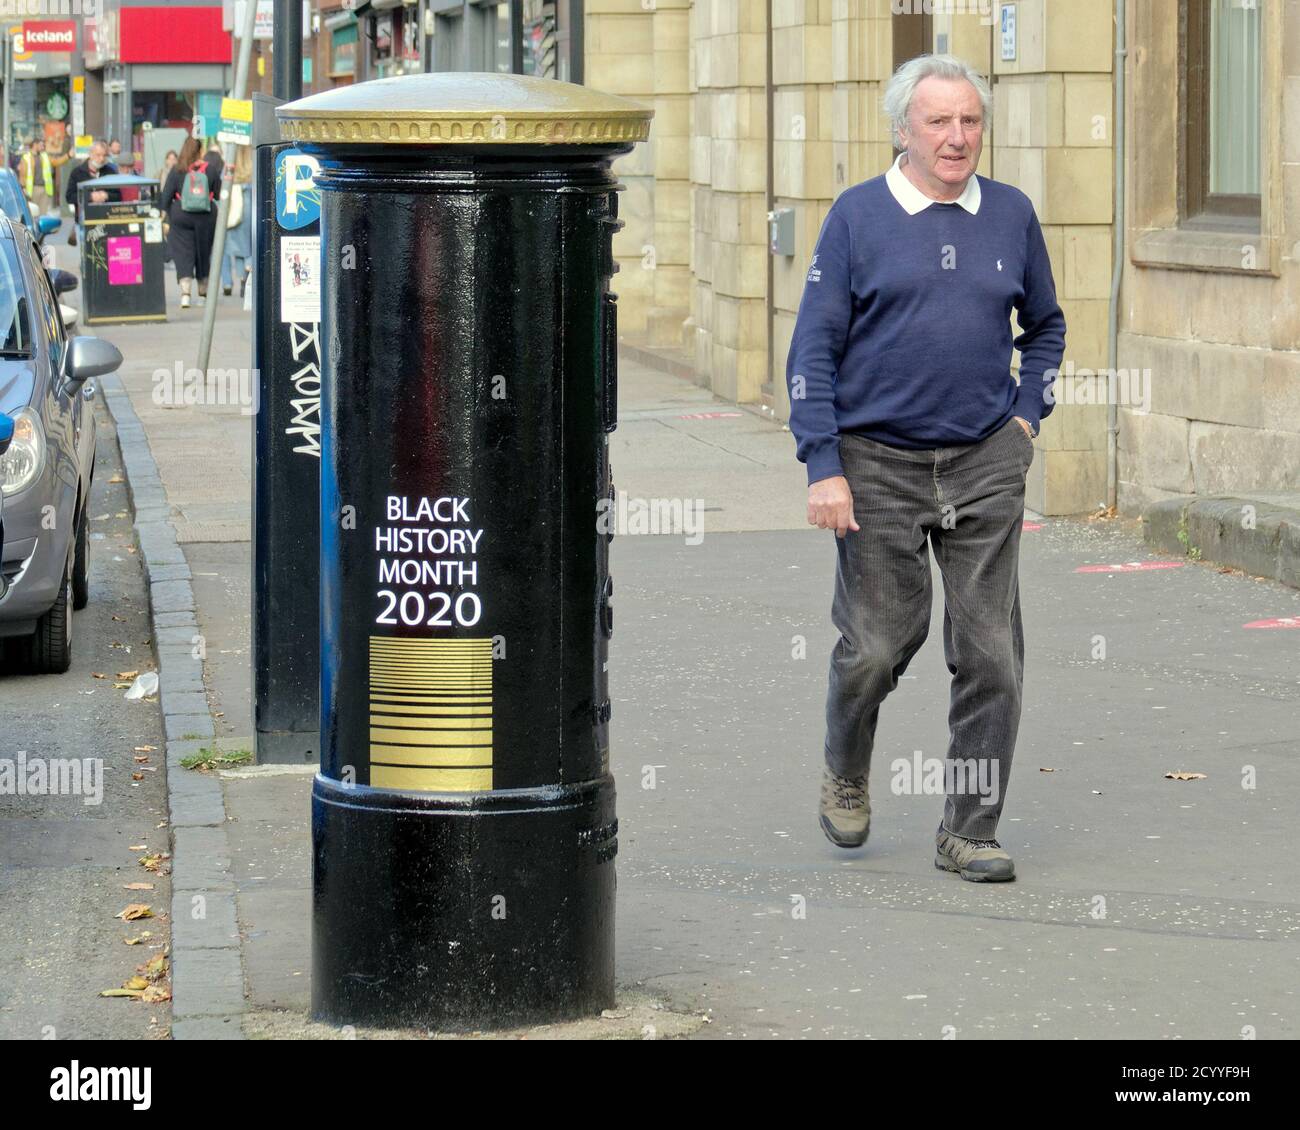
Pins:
<point x="98" y="196"/>
<point x="830" y="506"/>
<point x="1024" y="424"/>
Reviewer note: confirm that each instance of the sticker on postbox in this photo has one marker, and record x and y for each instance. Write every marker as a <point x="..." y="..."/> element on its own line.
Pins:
<point x="300" y="279"/>
<point x="431" y="696"/>
<point x="297" y="199"/>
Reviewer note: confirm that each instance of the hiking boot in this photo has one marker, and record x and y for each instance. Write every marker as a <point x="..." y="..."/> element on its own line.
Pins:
<point x="977" y="861"/>
<point x="846" y="809"/>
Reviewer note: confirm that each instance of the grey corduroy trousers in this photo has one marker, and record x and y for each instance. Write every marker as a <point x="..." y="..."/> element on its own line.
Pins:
<point x="967" y="504"/>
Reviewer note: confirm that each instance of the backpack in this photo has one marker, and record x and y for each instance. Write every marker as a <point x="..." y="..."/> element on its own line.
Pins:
<point x="195" y="195"/>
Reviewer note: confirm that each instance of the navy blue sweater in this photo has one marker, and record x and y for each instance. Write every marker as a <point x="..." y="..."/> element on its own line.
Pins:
<point x="904" y="331"/>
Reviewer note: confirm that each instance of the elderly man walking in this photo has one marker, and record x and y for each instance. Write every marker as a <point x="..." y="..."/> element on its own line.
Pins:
<point x="915" y="434"/>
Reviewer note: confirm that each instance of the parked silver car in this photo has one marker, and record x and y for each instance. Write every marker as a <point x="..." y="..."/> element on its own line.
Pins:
<point x="45" y="475"/>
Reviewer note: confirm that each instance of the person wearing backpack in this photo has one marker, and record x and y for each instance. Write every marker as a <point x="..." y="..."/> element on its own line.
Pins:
<point x="190" y="195"/>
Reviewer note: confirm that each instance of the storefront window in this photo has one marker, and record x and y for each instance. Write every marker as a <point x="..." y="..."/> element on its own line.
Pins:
<point x="548" y="28"/>
<point x="343" y="51"/>
<point x="395" y="42"/>
<point x="499" y="43"/>
<point x="38" y="107"/>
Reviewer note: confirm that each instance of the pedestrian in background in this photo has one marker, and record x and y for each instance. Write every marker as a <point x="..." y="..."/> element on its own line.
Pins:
<point x="169" y="163"/>
<point x="212" y="155"/>
<point x="238" y="256"/>
<point x="96" y="165"/>
<point x="188" y="197"/>
<point x="125" y="161"/>
<point x="36" y="175"/>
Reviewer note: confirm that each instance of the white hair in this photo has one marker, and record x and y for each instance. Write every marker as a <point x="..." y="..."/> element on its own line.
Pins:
<point x="903" y="83"/>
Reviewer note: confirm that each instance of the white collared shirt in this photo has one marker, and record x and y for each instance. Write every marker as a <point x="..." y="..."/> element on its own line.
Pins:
<point x="914" y="200"/>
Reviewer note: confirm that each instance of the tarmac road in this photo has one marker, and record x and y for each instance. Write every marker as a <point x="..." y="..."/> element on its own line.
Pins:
<point x="64" y="863"/>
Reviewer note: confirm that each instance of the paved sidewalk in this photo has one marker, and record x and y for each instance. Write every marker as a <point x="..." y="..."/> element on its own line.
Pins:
<point x="1145" y="907"/>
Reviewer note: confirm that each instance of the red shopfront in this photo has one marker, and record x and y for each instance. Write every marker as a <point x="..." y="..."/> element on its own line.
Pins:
<point x="162" y="59"/>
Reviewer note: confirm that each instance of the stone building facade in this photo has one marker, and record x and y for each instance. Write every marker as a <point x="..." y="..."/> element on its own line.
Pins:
<point x="770" y="104"/>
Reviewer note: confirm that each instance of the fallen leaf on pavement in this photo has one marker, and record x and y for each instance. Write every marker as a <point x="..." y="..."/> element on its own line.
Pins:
<point x="155" y="994"/>
<point x="154" y="968"/>
<point x="134" y="911"/>
<point x="138" y="984"/>
<point x="1182" y="776"/>
<point x="138" y="938"/>
<point x="1047" y="770"/>
<point x="137" y="776"/>
<point x="137" y="847"/>
<point x="117" y="479"/>
<point x="120" y="619"/>
<point x="121" y="993"/>
<point x="145" y="748"/>
<point x="141" y="758"/>
<point x="138" y="887"/>
<point x="98" y="675"/>
<point x="127" y="674"/>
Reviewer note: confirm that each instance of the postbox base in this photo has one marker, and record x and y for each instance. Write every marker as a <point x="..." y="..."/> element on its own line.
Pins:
<point x="442" y="911"/>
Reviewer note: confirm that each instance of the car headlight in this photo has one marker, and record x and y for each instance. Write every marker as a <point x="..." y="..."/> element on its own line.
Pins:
<point x="20" y="465"/>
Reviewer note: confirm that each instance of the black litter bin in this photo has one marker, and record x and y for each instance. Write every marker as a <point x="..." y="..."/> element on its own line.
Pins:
<point x="121" y="243"/>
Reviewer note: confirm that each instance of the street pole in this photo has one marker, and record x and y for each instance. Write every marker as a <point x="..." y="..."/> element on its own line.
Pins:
<point x="223" y="203"/>
<point x="286" y="51"/>
<point x="8" y="81"/>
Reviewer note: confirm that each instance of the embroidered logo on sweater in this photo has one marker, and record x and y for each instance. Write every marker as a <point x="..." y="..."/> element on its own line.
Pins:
<point x="814" y="272"/>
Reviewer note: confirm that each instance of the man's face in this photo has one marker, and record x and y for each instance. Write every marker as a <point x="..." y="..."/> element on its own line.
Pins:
<point x="945" y="134"/>
<point x="98" y="155"/>
<point x="115" y="148"/>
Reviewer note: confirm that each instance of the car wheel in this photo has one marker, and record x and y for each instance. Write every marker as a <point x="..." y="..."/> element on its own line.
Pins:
<point x="81" y="562"/>
<point x="49" y="648"/>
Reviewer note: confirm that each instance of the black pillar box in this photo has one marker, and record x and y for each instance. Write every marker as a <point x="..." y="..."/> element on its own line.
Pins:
<point x="463" y="817"/>
<point x="286" y="464"/>
<point x="121" y="251"/>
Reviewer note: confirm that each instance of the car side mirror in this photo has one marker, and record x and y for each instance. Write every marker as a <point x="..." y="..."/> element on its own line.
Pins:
<point x="91" y="357"/>
<point x="63" y="281"/>
<point x="6" y="432"/>
<point x="49" y="223"/>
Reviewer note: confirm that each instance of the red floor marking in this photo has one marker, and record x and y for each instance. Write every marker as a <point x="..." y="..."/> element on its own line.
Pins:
<point x="1032" y="526"/>
<point x="1276" y="622"/>
<point x="711" y="416"/>
<point x="1130" y="567"/>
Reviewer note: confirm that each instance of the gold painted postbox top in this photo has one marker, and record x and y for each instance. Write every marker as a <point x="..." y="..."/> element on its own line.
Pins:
<point x="458" y="108"/>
